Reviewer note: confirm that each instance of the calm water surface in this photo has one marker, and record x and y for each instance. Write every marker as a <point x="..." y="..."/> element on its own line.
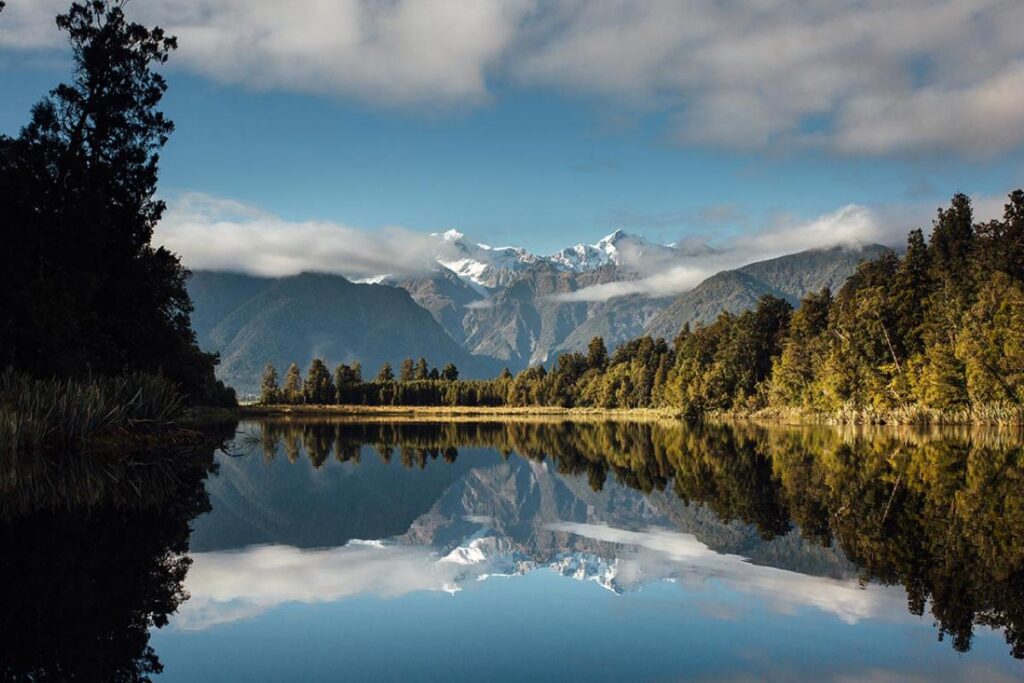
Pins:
<point x="336" y="550"/>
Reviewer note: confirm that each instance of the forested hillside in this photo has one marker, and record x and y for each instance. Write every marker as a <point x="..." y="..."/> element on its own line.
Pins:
<point x="312" y="315"/>
<point x="788" y="277"/>
<point x="934" y="335"/>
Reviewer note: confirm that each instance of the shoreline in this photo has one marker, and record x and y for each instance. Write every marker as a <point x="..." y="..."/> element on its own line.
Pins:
<point x="789" y="418"/>
<point x="360" y="411"/>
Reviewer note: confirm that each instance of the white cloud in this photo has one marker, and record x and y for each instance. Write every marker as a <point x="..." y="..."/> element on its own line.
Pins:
<point x="753" y="74"/>
<point x="681" y="557"/>
<point x="396" y="52"/>
<point x="850" y="226"/>
<point x="218" y="234"/>
<point x="859" y="77"/>
<point x="234" y="585"/>
<point x="228" y="586"/>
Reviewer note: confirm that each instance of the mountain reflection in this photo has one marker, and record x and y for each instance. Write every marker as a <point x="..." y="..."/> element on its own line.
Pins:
<point x="796" y="516"/>
<point x="228" y="586"/>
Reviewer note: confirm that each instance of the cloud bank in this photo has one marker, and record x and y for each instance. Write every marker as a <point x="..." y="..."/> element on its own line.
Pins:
<point x="860" y="77"/>
<point x="848" y="226"/>
<point x="673" y="555"/>
<point x="227" y="586"/>
<point x="219" y="234"/>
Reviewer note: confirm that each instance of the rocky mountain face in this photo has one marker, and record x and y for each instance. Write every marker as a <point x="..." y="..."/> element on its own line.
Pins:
<point x="483" y="307"/>
<point x="524" y="322"/>
<point x="445" y="295"/>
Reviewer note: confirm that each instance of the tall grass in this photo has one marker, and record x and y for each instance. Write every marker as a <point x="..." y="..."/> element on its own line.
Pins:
<point x="75" y="444"/>
<point x="68" y="417"/>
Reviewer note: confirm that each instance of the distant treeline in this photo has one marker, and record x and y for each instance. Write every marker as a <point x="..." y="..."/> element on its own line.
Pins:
<point x="937" y="334"/>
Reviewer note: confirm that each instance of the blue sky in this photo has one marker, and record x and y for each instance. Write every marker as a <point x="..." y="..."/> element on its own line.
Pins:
<point x="531" y="146"/>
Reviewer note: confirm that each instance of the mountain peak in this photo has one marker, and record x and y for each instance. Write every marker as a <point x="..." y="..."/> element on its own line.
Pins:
<point x="451" y="235"/>
<point x="613" y="237"/>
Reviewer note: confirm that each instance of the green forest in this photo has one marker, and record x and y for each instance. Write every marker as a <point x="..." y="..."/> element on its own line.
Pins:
<point x="935" y="334"/>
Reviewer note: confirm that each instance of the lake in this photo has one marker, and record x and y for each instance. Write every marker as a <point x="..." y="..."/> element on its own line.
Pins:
<point x="335" y="549"/>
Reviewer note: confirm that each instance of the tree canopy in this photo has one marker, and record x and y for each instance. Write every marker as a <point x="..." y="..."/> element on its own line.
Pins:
<point x="82" y="287"/>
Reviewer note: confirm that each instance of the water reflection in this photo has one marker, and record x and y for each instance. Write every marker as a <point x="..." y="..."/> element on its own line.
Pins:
<point x="798" y="515"/>
<point x="227" y="586"/>
<point x="699" y="526"/>
<point x="91" y="558"/>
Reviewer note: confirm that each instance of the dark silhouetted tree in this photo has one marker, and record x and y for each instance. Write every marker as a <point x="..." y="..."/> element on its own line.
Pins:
<point x="82" y="289"/>
<point x="450" y="373"/>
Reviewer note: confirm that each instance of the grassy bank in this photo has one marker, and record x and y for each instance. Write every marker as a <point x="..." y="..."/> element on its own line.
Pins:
<point x="90" y="442"/>
<point x="910" y="415"/>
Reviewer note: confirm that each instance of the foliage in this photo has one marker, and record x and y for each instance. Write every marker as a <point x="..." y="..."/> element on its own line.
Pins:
<point x="82" y="288"/>
<point x="318" y="387"/>
<point x="270" y="392"/>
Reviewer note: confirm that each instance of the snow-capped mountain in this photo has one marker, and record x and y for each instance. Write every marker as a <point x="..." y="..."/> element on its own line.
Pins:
<point x="491" y="267"/>
<point x="619" y="249"/>
<point x="481" y="264"/>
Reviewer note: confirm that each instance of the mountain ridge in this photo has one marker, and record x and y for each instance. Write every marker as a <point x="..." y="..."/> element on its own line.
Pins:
<point x="445" y="316"/>
<point x="312" y="315"/>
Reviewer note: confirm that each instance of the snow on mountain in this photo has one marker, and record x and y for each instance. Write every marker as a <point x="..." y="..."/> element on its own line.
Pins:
<point x="491" y="267"/>
<point x="588" y="567"/>
<point x="481" y="264"/>
<point x="610" y="249"/>
<point x="488" y="555"/>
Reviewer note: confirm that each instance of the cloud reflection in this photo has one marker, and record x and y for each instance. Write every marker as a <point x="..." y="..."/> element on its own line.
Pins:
<point x="661" y="554"/>
<point x="227" y="586"/>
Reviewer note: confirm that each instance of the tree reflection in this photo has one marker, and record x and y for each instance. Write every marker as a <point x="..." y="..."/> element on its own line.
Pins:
<point x="939" y="513"/>
<point x="82" y="581"/>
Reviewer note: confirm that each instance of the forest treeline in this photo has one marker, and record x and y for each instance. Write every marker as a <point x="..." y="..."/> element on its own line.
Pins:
<point x="934" y="334"/>
<point x="938" y="513"/>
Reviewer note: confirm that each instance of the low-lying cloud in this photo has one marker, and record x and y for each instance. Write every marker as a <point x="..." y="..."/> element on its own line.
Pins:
<point x="849" y="226"/>
<point x="855" y="77"/>
<point x="220" y="234"/>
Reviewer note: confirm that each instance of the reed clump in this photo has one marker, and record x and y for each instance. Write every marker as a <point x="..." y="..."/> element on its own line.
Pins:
<point x="70" y="417"/>
<point x="82" y="443"/>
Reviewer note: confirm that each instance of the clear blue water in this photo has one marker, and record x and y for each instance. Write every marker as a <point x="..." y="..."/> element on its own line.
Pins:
<point x="333" y="564"/>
